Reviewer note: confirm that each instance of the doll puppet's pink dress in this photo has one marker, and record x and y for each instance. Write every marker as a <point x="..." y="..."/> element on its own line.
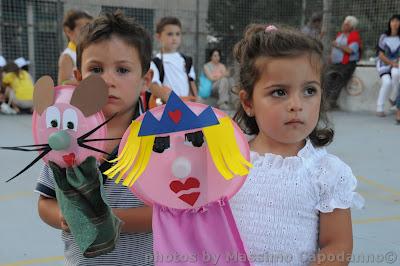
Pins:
<point x="186" y="160"/>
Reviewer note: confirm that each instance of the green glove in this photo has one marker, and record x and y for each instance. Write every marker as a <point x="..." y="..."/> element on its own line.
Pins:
<point x="80" y="195"/>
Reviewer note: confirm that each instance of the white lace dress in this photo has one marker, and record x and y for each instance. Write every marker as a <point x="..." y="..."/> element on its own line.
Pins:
<point x="277" y="209"/>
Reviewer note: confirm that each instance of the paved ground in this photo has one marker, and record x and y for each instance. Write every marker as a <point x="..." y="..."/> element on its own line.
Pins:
<point x="369" y="144"/>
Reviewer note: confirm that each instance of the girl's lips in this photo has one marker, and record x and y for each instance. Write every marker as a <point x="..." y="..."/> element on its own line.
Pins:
<point x="112" y="98"/>
<point x="294" y="121"/>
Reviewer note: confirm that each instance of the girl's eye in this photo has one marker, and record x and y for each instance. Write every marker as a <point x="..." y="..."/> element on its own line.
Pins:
<point x="161" y="144"/>
<point x="196" y="138"/>
<point x="310" y="91"/>
<point x="278" y="93"/>
<point x="96" y="70"/>
<point x="122" y="70"/>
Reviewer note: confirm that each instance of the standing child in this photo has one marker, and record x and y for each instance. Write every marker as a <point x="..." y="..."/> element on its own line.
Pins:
<point x="295" y="205"/>
<point x="172" y="69"/>
<point x="74" y="20"/>
<point x="119" y="50"/>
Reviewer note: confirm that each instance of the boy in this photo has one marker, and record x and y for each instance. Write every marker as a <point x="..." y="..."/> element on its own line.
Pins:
<point x="119" y="50"/>
<point x="172" y="70"/>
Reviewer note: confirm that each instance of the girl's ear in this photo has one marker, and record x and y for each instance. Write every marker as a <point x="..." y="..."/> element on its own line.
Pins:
<point x="43" y="94"/>
<point x="246" y="102"/>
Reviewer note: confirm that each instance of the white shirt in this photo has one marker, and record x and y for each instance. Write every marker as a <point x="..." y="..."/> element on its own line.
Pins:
<point x="175" y="75"/>
<point x="277" y="209"/>
<point x="68" y="51"/>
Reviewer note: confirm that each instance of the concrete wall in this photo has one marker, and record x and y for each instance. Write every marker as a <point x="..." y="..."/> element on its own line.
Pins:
<point x="362" y="91"/>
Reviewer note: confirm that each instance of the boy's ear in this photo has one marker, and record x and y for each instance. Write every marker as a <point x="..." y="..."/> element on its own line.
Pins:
<point x="246" y="103"/>
<point x="90" y="95"/>
<point x="43" y="94"/>
<point x="157" y="35"/>
<point x="77" y="75"/>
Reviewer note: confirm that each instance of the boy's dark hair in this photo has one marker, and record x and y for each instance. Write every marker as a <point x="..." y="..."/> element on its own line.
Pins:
<point x="116" y="24"/>
<point x="167" y="21"/>
<point x="72" y="16"/>
<point x="282" y="42"/>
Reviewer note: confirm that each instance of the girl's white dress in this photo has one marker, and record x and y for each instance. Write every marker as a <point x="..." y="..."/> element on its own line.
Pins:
<point x="277" y="209"/>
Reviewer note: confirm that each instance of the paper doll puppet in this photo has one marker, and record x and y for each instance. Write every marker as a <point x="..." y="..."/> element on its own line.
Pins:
<point x="186" y="160"/>
<point x="65" y="121"/>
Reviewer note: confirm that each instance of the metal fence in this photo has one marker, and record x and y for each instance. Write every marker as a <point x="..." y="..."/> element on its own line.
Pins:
<point x="33" y="28"/>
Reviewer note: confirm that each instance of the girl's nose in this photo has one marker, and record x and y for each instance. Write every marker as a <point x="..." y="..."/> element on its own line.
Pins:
<point x="296" y="104"/>
<point x="181" y="167"/>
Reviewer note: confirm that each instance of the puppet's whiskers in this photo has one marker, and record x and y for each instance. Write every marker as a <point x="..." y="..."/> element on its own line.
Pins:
<point x="40" y="156"/>
<point x="91" y="148"/>
<point x="39" y="147"/>
<point x="91" y="140"/>
<point x="84" y="136"/>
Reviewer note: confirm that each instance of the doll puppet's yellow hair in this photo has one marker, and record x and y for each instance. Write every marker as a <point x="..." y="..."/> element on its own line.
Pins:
<point x="220" y="139"/>
<point x="134" y="157"/>
<point x="224" y="150"/>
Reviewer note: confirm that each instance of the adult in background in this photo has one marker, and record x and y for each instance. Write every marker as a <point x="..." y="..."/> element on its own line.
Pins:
<point x="218" y="74"/>
<point x="346" y="51"/>
<point x="313" y="27"/>
<point x="388" y="50"/>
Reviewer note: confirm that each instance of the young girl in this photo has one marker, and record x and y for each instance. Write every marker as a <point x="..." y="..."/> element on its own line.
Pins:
<point x="294" y="208"/>
<point x="74" y="20"/>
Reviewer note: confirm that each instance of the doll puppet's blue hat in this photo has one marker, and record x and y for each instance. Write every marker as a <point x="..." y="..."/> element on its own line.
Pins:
<point x="177" y="117"/>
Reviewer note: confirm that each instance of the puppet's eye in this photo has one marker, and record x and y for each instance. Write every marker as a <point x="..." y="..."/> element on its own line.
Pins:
<point x="196" y="138"/>
<point x="70" y="120"/>
<point x="52" y="117"/>
<point x="161" y="144"/>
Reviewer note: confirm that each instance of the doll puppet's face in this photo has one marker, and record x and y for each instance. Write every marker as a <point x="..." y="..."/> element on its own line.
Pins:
<point x="181" y="172"/>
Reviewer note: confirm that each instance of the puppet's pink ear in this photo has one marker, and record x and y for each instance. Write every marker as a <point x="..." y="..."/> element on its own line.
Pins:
<point x="90" y="95"/>
<point x="43" y="94"/>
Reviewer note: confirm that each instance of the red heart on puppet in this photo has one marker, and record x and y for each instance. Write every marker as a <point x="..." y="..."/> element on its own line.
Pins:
<point x="69" y="159"/>
<point x="190" y="198"/>
<point x="175" y="115"/>
<point x="177" y="185"/>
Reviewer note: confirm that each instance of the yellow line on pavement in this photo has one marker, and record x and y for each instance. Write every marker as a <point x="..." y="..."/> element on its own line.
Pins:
<point x="16" y="195"/>
<point x="374" y="220"/>
<point x="389" y="198"/>
<point x="377" y="185"/>
<point x="34" y="261"/>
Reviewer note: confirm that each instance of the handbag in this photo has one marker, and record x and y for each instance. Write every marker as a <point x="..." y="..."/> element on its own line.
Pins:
<point x="205" y="86"/>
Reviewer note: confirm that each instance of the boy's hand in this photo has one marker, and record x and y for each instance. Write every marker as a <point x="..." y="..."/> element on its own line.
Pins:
<point x="63" y="223"/>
